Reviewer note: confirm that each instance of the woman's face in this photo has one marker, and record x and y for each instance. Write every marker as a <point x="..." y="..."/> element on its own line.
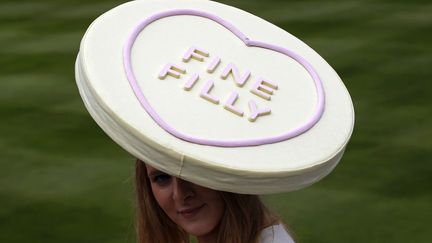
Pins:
<point x="196" y="209"/>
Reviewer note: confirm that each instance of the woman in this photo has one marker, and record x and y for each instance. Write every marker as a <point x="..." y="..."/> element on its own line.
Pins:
<point x="170" y="209"/>
<point x="180" y="100"/>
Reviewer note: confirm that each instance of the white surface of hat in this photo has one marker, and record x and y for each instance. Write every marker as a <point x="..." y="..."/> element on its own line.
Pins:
<point x="214" y="95"/>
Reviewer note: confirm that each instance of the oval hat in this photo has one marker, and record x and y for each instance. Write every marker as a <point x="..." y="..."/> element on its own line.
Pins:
<point x="214" y="95"/>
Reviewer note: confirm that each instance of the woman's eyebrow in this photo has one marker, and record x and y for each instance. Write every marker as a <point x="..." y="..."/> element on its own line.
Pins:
<point x="155" y="172"/>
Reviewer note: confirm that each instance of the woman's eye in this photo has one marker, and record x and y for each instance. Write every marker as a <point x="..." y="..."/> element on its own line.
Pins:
<point x="161" y="179"/>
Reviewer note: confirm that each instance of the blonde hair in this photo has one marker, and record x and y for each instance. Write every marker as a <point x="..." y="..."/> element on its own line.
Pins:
<point x="244" y="217"/>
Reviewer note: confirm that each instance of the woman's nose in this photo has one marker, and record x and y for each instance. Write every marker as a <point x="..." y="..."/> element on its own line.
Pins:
<point x="182" y="190"/>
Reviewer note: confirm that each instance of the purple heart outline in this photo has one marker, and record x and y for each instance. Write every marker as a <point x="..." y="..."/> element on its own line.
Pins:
<point x="248" y="42"/>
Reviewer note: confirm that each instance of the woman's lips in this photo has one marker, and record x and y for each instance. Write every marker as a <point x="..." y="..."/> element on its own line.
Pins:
<point x="190" y="212"/>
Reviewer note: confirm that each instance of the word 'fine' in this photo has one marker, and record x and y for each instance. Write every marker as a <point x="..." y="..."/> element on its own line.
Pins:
<point x="262" y="87"/>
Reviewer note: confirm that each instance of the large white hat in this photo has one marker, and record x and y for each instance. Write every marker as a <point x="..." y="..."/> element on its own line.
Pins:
<point x="214" y="95"/>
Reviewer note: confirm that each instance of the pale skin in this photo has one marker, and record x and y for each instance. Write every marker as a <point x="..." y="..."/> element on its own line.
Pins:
<point x="197" y="210"/>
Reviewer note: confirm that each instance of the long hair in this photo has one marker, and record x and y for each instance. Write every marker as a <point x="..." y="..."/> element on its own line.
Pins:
<point x="244" y="217"/>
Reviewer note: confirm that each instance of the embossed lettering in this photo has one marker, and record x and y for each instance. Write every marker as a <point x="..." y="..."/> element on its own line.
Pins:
<point x="213" y="64"/>
<point x="172" y="70"/>
<point x="229" y="104"/>
<point x="255" y="112"/>
<point x="263" y="88"/>
<point x="195" y="53"/>
<point x="239" y="80"/>
<point x="205" y="93"/>
<point x="191" y="82"/>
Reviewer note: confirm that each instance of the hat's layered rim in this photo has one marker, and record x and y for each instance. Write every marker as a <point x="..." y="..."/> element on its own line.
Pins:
<point x="190" y="169"/>
<point x="198" y="169"/>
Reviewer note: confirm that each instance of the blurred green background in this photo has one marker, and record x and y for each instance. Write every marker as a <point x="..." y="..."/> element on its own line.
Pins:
<point x="63" y="180"/>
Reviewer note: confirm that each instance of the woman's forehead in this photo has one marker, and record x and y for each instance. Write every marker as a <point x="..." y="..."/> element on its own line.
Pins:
<point x="150" y="169"/>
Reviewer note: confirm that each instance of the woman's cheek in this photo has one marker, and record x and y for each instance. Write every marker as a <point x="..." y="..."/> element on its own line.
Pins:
<point x="162" y="196"/>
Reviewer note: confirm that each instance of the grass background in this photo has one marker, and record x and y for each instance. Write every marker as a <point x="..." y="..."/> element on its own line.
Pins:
<point x="63" y="180"/>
